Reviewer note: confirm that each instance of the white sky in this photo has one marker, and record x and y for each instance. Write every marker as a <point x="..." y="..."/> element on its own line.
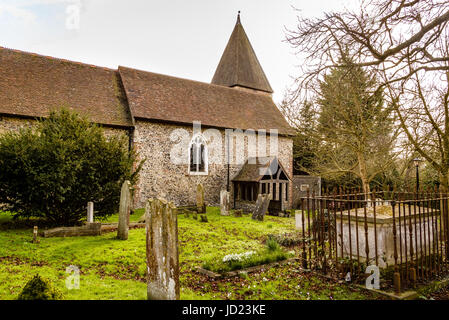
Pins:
<point x="174" y="37"/>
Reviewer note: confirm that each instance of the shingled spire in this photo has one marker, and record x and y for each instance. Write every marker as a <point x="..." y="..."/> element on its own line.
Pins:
<point x="239" y="66"/>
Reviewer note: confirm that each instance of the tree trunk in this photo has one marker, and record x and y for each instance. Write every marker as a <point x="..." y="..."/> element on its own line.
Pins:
<point x="363" y="175"/>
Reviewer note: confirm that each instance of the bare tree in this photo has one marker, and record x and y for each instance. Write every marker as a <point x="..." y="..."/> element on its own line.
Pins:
<point x="405" y="43"/>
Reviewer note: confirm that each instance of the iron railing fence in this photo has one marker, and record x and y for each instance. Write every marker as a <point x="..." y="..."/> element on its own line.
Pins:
<point x="405" y="234"/>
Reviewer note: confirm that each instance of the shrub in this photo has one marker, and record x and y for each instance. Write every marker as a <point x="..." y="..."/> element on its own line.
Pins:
<point x="55" y="168"/>
<point x="287" y="239"/>
<point x="39" y="289"/>
<point x="272" y="244"/>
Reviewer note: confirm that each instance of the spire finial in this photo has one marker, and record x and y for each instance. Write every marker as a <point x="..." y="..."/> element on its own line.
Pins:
<point x="238" y="17"/>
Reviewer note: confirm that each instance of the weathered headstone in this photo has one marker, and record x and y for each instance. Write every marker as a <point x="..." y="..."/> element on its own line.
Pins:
<point x="89" y="229"/>
<point x="90" y="212"/>
<point x="124" y="210"/>
<point x="224" y="203"/>
<point x="238" y="213"/>
<point x="195" y="215"/>
<point x="262" y="203"/>
<point x="203" y="218"/>
<point x="162" y="250"/>
<point x="200" y="204"/>
<point x="35" y="235"/>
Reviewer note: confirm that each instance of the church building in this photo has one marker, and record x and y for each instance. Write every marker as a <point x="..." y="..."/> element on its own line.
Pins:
<point x="217" y="134"/>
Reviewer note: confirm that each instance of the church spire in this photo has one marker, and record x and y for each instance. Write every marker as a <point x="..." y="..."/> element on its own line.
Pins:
<point x="239" y="66"/>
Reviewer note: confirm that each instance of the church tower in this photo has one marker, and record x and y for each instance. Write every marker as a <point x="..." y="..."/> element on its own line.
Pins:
<point x="239" y="67"/>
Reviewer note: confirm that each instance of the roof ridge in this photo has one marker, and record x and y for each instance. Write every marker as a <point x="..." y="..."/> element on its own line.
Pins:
<point x="200" y="82"/>
<point x="57" y="59"/>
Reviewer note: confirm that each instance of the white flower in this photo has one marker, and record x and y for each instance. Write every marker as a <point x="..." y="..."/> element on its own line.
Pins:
<point x="238" y="257"/>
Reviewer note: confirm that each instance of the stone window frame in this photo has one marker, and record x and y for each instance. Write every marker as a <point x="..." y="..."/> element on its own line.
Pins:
<point x="200" y="140"/>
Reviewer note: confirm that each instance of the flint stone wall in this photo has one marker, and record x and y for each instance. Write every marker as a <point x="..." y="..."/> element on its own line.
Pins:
<point x="162" y="178"/>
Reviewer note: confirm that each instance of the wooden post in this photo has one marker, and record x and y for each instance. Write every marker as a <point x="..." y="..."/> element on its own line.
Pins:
<point x="162" y="250"/>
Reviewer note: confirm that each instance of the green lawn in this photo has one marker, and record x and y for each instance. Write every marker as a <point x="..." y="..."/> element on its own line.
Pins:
<point x="114" y="269"/>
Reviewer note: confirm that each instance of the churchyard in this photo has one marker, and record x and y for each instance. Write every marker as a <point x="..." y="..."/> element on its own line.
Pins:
<point x="116" y="269"/>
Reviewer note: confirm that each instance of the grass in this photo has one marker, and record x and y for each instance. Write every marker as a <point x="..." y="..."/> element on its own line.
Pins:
<point x="114" y="269"/>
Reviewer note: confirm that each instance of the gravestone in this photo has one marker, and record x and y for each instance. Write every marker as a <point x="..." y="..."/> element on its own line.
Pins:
<point x="238" y="213"/>
<point x="124" y="210"/>
<point x="203" y="218"/>
<point x="90" y="212"/>
<point x="35" y="235"/>
<point x="224" y="203"/>
<point x="89" y="229"/>
<point x="162" y="250"/>
<point x="262" y="203"/>
<point x="200" y="204"/>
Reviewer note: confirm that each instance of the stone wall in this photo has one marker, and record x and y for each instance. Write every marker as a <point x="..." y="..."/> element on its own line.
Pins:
<point x="300" y="185"/>
<point x="162" y="178"/>
<point x="15" y="124"/>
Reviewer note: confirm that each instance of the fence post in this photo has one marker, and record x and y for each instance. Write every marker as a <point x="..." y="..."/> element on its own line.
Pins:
<point x="397" y="275"/>
<point x="304" y="253"/>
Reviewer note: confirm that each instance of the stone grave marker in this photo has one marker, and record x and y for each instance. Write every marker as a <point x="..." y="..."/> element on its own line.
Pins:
<point x="162" y="250"/>
<point x="238" y="213"/>
<point x="224" y="203"/>
<point x="35" y="235"/>
<point x="124" y="211"/>
<point x="200" y="204"/>
<point x="262" y="203"/>
<point x="90" y="212"/>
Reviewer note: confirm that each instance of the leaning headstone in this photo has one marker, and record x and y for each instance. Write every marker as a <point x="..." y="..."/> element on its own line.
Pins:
<point x="262" y="203"/>
<point x="200" y="205"/>
<point x="124" y="210"/>
<point x="238" y="213"/>
<point x="162" y="250"/>
<point x="90" y="212"/>
<point x="195" y="215"/>
<point x="224" y="203"/>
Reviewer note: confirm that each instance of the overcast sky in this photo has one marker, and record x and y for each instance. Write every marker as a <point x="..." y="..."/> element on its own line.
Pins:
<point x="174" y="37"/>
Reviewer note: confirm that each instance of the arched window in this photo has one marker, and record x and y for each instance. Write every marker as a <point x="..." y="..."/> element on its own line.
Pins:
<point x="198" y="156"/>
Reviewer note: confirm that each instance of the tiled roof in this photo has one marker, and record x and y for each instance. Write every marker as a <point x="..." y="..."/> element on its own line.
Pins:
<point x="31" y="85"/>
<point x="255" y="168"/>
<point x="239" y="65"/>
<point x="154" y="96"/>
